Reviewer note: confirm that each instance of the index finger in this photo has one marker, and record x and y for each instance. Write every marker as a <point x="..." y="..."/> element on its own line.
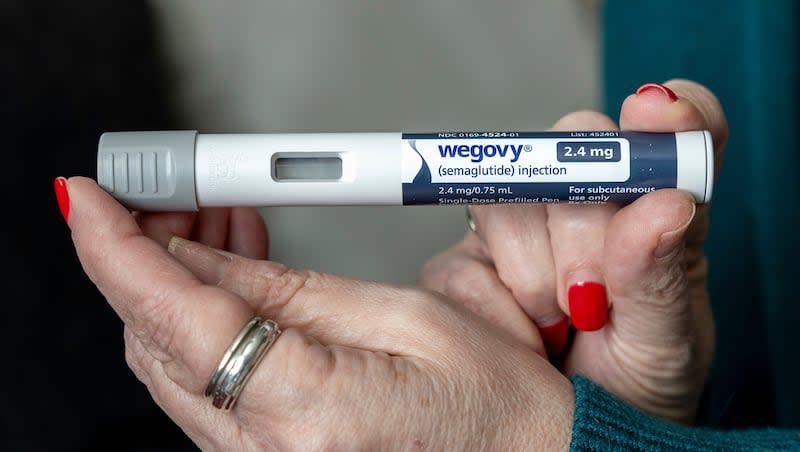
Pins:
<point x="161" y="301"/>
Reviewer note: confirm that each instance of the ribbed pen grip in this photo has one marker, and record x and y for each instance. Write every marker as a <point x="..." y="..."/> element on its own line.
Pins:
<point x="149" y="170"/>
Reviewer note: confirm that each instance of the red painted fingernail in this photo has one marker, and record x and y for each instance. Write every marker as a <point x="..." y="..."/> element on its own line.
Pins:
<point x="655" y="88"/>
<point x="60" y="186"/>
<point x="588" y="305"/>
<point x="555" y="336"/>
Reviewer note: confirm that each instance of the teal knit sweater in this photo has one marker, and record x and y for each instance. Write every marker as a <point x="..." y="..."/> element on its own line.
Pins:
<point x="604" y="423"/>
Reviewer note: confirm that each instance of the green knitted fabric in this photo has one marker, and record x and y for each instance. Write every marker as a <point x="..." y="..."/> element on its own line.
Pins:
<point x="605" y="423"/>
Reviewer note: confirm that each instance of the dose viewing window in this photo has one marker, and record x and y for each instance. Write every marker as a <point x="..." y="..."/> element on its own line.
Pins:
<point x="307" y="168"/>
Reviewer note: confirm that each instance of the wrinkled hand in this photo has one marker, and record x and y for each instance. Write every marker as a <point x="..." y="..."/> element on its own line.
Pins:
<point x="359" y="365"/>
<point x="240" y="230"/>
<point x="530" y="265"/>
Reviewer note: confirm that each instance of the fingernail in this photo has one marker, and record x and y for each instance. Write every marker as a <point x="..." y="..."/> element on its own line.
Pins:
<point x="588" y="303"/>
<point x="669" y="241"/>
<point x="204" y="261"/>
<point x="187" y="249"/>
<point x="62" y="196"/>
<point x="177" y="245"/>
<point x="555" y="336"/>
<point x="657" y="88"/>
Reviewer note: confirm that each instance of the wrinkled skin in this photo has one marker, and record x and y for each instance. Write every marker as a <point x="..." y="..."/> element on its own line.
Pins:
<point x="656" y="349"/>
<point x="364" y="365"/>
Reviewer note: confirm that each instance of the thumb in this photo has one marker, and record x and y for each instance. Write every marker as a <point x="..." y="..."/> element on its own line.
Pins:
<point x="644" y="268"/>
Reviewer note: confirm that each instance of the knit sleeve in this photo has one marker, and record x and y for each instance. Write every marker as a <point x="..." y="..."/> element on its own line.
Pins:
<point x="605" y="423"/>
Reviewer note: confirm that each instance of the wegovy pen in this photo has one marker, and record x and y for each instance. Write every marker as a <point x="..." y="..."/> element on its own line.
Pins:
<point x="185" y="170"/>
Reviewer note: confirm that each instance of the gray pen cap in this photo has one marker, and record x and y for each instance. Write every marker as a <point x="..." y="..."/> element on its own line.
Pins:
<point x="149" y="170"/>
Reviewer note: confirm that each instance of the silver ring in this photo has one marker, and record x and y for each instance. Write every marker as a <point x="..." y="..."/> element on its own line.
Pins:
<point x="470" y="221"/>
<point x="239" y="361"/>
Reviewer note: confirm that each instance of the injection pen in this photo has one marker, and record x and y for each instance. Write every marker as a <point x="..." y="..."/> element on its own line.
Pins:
<point x="184" y="170"/>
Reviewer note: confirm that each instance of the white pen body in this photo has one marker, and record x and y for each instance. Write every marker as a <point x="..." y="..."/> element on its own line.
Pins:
<point x="240" y="170"/>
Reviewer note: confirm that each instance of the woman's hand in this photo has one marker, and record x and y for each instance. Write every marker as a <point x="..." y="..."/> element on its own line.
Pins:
<point x="527" y="267"/>
<point x="240" y="230"/>
<point x="359" y="365"/>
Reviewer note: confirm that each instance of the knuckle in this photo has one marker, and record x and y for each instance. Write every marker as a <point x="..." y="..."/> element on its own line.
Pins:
<point x="433" y="271"/>
<point x="469" y="280"/>
<point x="672" y="280"/>
<point x="411" y="317"/>
<point x="283" y="284"/>
<point x="540" y="304"/>
<point x="529" y="286"/>
<point x="438" y="269"/>
<point x="668" y="287"/>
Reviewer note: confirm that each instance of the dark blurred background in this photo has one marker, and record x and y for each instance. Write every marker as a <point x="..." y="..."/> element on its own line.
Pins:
<point x="68" y="71"/>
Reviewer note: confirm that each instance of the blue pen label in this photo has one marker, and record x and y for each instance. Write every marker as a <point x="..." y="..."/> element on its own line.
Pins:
<point x="535" y="167"/>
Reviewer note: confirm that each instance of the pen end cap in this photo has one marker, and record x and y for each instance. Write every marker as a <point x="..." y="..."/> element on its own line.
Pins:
<point x="149" y="170"/>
